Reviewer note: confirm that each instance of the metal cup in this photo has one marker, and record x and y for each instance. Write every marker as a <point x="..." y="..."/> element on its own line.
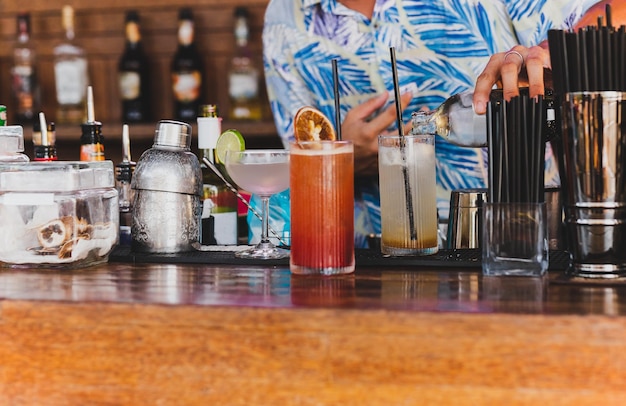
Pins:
<point x="464" y="222"/>
<point x="594" y="144"/>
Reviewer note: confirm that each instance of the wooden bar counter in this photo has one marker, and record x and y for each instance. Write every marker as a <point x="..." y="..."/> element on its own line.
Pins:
<point x="125" y="333"/>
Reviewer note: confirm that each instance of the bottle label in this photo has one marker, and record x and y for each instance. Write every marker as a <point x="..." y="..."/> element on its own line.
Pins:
<point x="219" y="216"/>
<point x="186" y="86"/>
<point x="130" y="85"/>
<point x="132" y="32"/>
<point x="23" y="79"/>
<point x="92" y="152"/>
<point x="185" y="32"/>
<point x="71" y="81"/>
<point x="243" y="86"/>
<point x="225" y="228"/>
<point x="23" y="87"/>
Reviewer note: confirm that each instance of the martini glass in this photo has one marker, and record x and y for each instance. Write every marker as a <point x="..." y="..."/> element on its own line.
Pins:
<point x="263" y="172"/>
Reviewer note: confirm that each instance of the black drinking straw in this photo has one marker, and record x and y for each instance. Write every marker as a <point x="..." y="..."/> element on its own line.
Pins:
<point x="573" y="52"/>
<point x="405" y="174"/>
<point x="491" y="130"/>
<point x="556" y="40"/>
<point x="590" y="43"/>
<point x="582" y="52"/>
<point x="337" y="101"/>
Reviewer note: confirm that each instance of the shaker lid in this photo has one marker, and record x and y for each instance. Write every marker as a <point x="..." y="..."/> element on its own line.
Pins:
<point x="170" y="133"/>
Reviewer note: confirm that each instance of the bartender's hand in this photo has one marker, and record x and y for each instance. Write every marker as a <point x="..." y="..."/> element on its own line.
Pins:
<point x="516" y="68"/>
<point x="363" y="132"/>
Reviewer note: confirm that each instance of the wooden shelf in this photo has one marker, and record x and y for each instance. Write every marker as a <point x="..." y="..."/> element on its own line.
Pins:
<point x="145" y="131"/>
<point x="260" y="134"/>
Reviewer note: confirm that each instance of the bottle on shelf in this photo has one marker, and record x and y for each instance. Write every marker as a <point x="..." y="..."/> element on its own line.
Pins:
<point x="23" y="73"/>
<point x="91" y="139"/>
<point x="70" y="74"/>
<point x="3" y="115"/>
<point x="219" y="204"/>
<point x="243" y="75"/>
<point x="44" y="139"/>
<point x="123" y="177"/>
<point x="456" y="121"/>
<point x="186" y="70"/>
<point x="133" y="74"/>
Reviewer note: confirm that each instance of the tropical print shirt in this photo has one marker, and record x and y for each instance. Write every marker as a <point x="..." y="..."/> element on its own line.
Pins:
<point x="441" y="47"/>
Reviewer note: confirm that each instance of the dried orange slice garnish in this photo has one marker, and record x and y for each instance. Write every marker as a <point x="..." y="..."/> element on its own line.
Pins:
<point x="310" y="124"/>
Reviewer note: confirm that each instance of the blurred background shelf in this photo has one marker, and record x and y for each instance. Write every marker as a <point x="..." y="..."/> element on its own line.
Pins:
<point x="100" y="31"/>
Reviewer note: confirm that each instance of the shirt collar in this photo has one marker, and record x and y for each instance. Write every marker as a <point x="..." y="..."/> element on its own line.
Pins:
<point x="335" y="7"/>
<point x="328" y="6"/>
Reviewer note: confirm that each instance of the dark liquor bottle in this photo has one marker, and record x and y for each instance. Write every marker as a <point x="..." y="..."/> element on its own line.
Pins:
<point x="219" y="204"/>
<point x="133" y="74"/>
<point x="24" y="78"/>
<point x="187" y="70"/>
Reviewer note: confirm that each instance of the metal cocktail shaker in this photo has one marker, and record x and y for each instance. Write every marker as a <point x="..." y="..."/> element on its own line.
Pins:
<point x="167" y="182"/>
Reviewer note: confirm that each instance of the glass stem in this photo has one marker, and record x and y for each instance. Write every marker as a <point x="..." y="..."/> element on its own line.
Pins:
<point x="265" y="222"/>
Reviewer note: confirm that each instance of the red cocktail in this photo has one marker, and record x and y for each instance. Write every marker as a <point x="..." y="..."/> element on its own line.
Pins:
<point x="322" y="207"/>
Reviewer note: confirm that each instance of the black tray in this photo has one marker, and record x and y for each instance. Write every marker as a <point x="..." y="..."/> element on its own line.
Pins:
<point x="464" y="258"/>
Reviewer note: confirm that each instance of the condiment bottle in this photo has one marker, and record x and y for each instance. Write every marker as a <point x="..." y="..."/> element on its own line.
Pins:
<point x="44" y="140"/>
<point x="91" y="139"/>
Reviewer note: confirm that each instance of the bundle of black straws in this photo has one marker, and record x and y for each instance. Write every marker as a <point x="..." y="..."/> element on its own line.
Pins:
<point x="592" y="59"/>
<point x="515" y="133"/>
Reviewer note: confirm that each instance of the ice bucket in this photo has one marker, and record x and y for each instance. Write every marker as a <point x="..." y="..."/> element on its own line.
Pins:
<point x="57" y="214"/>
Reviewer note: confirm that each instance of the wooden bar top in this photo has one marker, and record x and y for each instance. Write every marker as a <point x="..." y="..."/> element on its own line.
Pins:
<point x="123" y="333"/>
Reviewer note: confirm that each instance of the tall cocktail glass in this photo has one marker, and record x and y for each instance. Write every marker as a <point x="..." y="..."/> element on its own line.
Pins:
<point x="262" y="172"/>
<point x="408" y="201"/>
<point x="322" y="207"/>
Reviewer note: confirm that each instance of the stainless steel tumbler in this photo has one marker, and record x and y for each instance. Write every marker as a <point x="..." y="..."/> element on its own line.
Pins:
<point x="465" y="220"/>
<point x="594" y="144"/>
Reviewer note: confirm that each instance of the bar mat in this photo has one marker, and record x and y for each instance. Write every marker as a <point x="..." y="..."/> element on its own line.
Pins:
<point x="462" y="258"/>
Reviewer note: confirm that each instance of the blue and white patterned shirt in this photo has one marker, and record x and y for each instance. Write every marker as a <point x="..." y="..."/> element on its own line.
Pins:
<point x="441" y="47"/>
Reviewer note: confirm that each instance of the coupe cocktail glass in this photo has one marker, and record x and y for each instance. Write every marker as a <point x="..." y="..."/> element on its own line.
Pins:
<point x="263" y="172"/>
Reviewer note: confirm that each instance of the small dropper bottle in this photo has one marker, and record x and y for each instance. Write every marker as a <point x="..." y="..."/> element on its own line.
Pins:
<point x="91" y="146"/>
<point x="44" y="140"/>
<point x="123" y="176"/>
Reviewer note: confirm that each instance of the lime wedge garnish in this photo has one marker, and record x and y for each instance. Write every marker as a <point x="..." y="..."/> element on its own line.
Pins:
<point x="229" y="140"/>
